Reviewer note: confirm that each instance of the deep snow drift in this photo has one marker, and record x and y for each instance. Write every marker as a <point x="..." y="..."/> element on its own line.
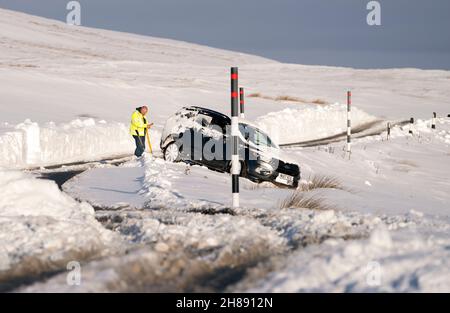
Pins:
<point x="29" y="144"/>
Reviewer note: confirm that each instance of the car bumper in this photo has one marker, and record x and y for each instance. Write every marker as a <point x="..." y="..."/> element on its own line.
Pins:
<point x="255" y="173"/>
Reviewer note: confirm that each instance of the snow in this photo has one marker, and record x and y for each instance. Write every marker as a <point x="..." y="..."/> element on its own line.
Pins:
<point x="336" y="251"/>
<point x="70" y="75"/>
<point x="385" y="232"/>
<point x="442" y="131"/>
<point x="31" y="142"/>
<point x="385" y="262"/>
<point x="311" y="122"/>
<point x="376" y="239"/>
<point x="155" y="184"/>
<point x="42" y="229"/>
<point x="386" y="229"/>
<point x="107" y="74"/>
<point x="30" y="145"/>
<point x="396" y="176"/>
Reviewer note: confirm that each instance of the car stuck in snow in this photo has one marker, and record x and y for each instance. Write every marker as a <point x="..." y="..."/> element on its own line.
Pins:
<point x="201" y="136"/>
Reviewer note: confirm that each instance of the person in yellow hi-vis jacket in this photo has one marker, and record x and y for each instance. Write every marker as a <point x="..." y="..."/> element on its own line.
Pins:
<point x="138" y="129"/>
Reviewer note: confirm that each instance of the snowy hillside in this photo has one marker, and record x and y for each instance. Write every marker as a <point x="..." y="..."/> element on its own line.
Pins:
<point x="150" y="225"/>
<point x="52" y="72"/>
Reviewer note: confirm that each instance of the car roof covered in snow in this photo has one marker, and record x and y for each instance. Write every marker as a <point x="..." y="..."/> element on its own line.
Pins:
<point x="215" y="113"/>
<point x="206" y="111"/>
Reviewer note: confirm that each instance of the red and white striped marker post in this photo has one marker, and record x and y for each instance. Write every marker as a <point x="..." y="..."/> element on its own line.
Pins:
<point x="433" y="121"/>
<point x="235" y="137"/>
<point x="349" y="122"/>
<point x="242" y="102"/>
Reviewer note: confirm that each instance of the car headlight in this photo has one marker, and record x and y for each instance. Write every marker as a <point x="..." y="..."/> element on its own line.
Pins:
<point x="264" y="169"/>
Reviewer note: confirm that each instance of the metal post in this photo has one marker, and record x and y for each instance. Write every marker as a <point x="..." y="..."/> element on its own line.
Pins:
<point x="433" y="121"/>
<point x="241" y="94"/>
<point x="388" y="130"/>
<point x="411" y="124"/>
<point x="235" y="137"/>
<point x="349" y="122"/>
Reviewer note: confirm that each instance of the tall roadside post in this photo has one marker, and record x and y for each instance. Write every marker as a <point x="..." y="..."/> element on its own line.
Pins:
<point x="235" y="166"/>
<point x="349" y="122"/>
<point x="242" y="102"/>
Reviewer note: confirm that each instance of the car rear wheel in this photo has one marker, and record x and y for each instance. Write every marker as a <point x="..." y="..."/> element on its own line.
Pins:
<point x="172" y="153"/>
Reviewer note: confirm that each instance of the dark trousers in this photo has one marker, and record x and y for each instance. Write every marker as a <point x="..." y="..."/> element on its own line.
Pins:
<point x="140" y="145"/>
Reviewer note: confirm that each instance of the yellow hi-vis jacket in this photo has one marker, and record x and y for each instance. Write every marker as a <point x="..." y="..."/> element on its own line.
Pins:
<point x="138" y="124"/>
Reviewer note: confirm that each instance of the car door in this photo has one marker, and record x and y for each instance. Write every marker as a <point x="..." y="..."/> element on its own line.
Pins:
<point x="212" y="143"/>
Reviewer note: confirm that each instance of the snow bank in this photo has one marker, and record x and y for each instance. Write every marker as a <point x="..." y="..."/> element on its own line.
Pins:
<point x="402" y="261"/>
<point x="422" y="131"/>
<point x="29" y="145"/>
<point x="310" y="122"/>
<point x="442" y="131"/>
<point x="42" y="229"/>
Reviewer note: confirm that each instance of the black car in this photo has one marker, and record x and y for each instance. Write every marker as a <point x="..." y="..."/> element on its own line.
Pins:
<point x="202" y="136"/>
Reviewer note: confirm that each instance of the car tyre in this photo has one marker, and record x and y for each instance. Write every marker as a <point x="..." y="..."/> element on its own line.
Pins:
<point x="172" y="153"/>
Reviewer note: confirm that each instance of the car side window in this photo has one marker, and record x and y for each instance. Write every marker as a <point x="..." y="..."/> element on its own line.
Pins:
<point x="220" y="124"/>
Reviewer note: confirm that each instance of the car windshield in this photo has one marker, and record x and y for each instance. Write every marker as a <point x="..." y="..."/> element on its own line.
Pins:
<point x="256" y="136"/>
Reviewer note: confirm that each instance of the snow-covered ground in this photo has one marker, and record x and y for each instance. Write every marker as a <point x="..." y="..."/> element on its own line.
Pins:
<point x="42" y="230"/>
<point x="405" y="260"/>
<point x="67" y="96"/>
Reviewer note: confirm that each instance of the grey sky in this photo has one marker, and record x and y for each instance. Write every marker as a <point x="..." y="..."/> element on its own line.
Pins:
<point x="414" y="33"/>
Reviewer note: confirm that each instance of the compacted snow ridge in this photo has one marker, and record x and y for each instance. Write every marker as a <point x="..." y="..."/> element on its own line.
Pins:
<point x="150" y="225"/>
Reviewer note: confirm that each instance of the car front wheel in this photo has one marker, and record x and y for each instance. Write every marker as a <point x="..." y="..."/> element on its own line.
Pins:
<point x="172" y="153"/>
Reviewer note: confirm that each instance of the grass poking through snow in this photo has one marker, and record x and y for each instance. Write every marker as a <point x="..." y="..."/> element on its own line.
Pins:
<point x="321" y="182"/>
<point x="298" y="200"/>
